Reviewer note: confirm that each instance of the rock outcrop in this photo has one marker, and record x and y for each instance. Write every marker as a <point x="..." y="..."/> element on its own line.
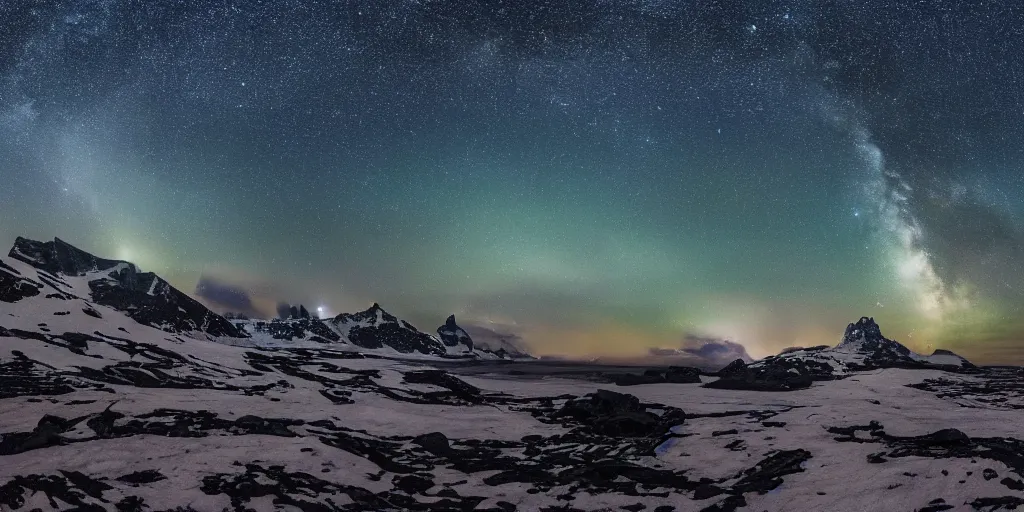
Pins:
<point x="376" y="328"/>
<point x="143" y="296"/>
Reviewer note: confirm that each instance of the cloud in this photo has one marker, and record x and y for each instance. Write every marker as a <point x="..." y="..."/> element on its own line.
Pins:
<point x="494" y="336"/>
<point x="701" y="351"/>
<point x="227" y="296"/>
<point x="714" y="348"/>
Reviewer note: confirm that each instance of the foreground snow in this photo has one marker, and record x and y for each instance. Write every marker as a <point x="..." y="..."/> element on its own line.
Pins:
<point x="321" y="430"/>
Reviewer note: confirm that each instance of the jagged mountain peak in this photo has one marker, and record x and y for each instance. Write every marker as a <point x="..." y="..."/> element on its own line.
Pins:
<point x="375" y="328"/>
<point x="454" y="336"/>
<point x="373" y="315"/>
<point x="60" y="257"/>
<point x="70" y="272"/>
<point x="865" y="329"/>
<point x="863" y="347"/>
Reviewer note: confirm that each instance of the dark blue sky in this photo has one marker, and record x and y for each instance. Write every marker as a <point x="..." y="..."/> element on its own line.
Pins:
<point x="599" y="177"/>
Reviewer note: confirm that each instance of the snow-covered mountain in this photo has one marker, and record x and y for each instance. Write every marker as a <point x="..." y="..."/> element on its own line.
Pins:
<point x="459" y="341"/>
<point x="106" y="407"/>
<point x="377" y="329"/>
<point x="279" y="331"/>
<point x="862" y="348"/>
<point x="454" y="336"/>
<point x="58" y="271"/>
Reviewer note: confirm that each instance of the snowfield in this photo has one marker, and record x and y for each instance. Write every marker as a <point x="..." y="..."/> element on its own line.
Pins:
<point x="101" y="412"/>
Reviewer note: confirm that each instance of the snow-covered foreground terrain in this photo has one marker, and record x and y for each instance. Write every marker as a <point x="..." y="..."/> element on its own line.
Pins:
<point x="104" y="406"/>
<point x="302" y="430"/>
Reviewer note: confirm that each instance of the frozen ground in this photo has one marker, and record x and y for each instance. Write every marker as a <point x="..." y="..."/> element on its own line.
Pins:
<point x="320" y="430"/>
<point x="101" y="412"/>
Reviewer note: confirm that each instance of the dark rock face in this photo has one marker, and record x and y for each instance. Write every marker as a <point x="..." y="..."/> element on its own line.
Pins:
<point x="737" y="366"/>
<point x="866" y="337"/>
<point x="863" y="348"/>
<point x="816" y="348"/>
<point x="434" y="442"/>
<point x="24" y="377"/>
<point x="670" y="375"/>
<point x="376" y="328"/>
<point x="165" y="308"/>
<point x="58" y="257"/>
<point x="445" y="380"/>
<point x="143" y="296"/>
<point x="452" y="335"/>
<point x="868" y="332"/>
<point x="948" y="443"/>
<point x="289" y="330"/>
<point x="14" y="287"/>
<point x="772" y="374"/>
<point x="618" y="415"/>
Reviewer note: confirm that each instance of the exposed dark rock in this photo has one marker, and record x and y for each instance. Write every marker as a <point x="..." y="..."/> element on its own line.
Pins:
<point x="705" y="491"/>
<point x="766" y="475"/>
<point x="25" y="377"/>
<point x="1001" y="503"/>
<point x="434" y="442"/>
<point x="772" y="374"/>
<point x="618" y="415"/>
<point x="72" y="488"/>
<point x="1013" y="484"/>
<point x="376" y="328"/>
<point x="445" y="380"/>
<point x="452" y="335"/>
<point x="13" y="287"/>
<point x="865" y="336"/>
<point x="143" y="296"/>
<point x="670" y="375"/>
<point x="311" y="329"/>
<point x="142" y="477"/>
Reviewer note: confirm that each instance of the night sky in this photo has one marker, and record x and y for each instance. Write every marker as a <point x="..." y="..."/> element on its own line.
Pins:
<point x="598" y="177"/>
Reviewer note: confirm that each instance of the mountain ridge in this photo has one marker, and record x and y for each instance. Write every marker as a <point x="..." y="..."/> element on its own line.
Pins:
<point x="66" y="272"/>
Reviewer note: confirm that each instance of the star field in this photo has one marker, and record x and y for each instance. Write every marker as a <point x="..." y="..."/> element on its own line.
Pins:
<point x="599" y="178"/>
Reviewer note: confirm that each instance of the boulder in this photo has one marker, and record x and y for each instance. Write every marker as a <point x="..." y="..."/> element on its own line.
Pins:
<point x="773" y="374"/>
<point x="617" y="415"/>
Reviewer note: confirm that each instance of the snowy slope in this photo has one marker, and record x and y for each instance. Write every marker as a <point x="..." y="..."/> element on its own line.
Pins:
<point x="863" y="347"/>
<point x="63" y="271"/>
<point x="58" y="271"/>
<point x="113" y="415"/>
<point x="101" y="412"/>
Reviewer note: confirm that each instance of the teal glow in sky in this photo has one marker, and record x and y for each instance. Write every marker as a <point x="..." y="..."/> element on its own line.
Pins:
<point x="599" y="178"/>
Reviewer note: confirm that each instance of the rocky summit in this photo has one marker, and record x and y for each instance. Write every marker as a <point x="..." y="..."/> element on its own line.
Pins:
<point x="106" y="405"/>
<point x="65" y="271"/>
<point x="454" y="336"/>
<point x="376" y="329"/>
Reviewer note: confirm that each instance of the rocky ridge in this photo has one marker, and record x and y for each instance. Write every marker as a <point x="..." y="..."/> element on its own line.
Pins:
<point x="862" y="348"/>
<point x="99" y="411"/>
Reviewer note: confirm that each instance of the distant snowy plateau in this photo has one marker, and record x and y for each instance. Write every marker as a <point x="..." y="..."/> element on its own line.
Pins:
<point x="119" y="392"/>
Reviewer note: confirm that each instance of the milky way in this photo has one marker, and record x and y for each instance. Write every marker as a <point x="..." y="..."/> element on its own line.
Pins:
<point x="597" y="178"/>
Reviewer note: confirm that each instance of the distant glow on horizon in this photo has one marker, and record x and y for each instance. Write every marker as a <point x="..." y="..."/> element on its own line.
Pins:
<point x="648" y="169"/>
